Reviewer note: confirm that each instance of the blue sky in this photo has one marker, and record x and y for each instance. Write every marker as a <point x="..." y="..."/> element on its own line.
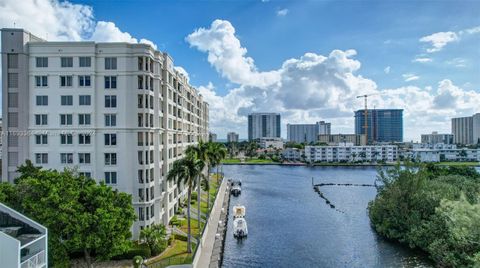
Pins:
<point x="304" y="59"/>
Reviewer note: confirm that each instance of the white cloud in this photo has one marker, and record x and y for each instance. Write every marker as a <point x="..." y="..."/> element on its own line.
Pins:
<point x="387" y="69"/>
<point x="227" y="55"/>
<point x="324" y="87"/>
<point x="182" y="71"/>
<point x="439" y="40"/>
<point x="61" y="21"/>
<point x="410" y="77"/>
<point x="457" y="62"/>
<point x="282" y="12"/>
<point x="422" y="59"/>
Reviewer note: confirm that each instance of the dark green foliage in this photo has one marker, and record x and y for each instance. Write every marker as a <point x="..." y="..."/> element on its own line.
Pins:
<point x="155" y="237"/>
<point x="424" y="207"/>
<point x="81" y="215"/>
<point x="136" y="250"/>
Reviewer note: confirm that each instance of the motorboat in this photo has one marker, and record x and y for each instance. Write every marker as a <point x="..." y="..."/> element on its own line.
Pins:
<point x="240" y="229"/>
<point x="236" y="190"/>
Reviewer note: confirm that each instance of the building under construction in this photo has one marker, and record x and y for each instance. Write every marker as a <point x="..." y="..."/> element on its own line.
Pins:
<point x="383" y="125"/>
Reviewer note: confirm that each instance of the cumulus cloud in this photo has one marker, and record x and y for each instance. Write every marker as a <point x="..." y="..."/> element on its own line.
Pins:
<point x="227" y="55"/>
<point x="316" y="87"/>
<point x="410" y="77"/>
<point x="61" y="21"/>
<point x="282" y="12"/>
<point x="439" y="40"/>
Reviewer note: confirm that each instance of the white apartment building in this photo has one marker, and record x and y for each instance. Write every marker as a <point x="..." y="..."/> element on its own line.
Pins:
<point x="292" y="154"/>
<point x="232" y="137"/>
<point x="442" y="155"/>
<point x="117" y="112"/>
<point x="307" y="133"/>
<point x="436" y="138"/>
<point x="466" y="130"/>
<point x="351" y="153"/>
<point x="23" y="242"/>
<point x="275" y="143"/>
<point x="263" y="125"/>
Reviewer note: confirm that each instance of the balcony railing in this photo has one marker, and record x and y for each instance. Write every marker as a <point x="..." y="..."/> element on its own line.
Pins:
<point x="36" y="261"/>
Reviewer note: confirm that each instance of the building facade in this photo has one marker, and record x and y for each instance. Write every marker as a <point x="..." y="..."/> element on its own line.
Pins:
<point x="274" y="143"/>
<point x="435" y="138"/>
<point x="466" y="130"/>
<point x="351" y="153"/>
<point x="117" y="112"/>
<point x="446" y="154"/>
<point x="307" y="133"/>
<point x="337" y="139"/>
<point x="212" y="137"/>
<point x="384" y="125"/>
<point x="263" y="125"/>
<point x="232" y="137"/>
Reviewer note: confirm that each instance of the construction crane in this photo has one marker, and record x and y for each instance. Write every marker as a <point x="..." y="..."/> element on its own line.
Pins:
<point x="366" y="113"/>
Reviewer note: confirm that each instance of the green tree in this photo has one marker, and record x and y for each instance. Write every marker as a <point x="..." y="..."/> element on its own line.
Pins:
<point x="184" y="172"/>
<point x="81" y="215"/>
<point x="155" y="237"/>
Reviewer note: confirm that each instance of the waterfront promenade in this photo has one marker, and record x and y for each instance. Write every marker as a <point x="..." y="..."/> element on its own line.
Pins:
<point x="207" y="245"/>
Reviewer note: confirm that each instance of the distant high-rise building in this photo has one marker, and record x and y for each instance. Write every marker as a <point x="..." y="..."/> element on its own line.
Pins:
<point x="466" y="130"/>
<point x="232" y="137"/>
<point x="307" y="133"/>
<point x="212" y="137"/>
<point x="384" y="125"/>
<point x="435" y="138"/>
<point x="263" y="125"/>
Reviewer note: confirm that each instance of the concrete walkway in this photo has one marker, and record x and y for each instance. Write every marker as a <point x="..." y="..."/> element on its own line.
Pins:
<point x="208" y="240"/>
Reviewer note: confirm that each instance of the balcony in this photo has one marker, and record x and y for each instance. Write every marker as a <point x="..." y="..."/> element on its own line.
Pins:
<point x="35" y="261"/>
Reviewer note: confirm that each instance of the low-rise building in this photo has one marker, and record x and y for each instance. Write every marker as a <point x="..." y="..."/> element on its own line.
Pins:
<point x="274" y="143"/>
<point x="292" y="154"/>
<point x="435" y="138"/>
<point x="442" y="155"/>
<point x="436" y="146"/>
<point x="338" y="139"/>
<point x="351" y="153"/>
<point x="23" y="242"/>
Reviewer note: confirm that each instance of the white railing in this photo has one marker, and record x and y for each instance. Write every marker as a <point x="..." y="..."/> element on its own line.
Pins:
<point x="36" y="261"/>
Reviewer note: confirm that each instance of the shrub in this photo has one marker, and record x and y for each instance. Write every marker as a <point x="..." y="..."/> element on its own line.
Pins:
<point x="137" y="261"/>
<point x="194" y="196"/>
<point x="137" y="250"/>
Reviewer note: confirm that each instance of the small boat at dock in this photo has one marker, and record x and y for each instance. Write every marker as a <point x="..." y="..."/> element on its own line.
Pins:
<point x="240" y="229"/>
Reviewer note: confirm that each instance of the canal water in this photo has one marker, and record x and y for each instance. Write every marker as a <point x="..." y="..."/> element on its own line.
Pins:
<point x="291" y="226"/>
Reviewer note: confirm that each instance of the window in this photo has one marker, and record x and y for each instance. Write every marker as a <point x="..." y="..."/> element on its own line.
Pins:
<point x="141" y="194"/>
<point x="13" y="99"/>
<point x="12" y="61"/>
<point x="110" y="139"/>
<point x="41" y="119"/>
<point x="41" y="139"/>
<point x="42" y="100"/>
<point x="66" y="139"/>
<point x="66" y="158"/>
<point x="41" y="158"/>
<point x="140" y="176"/>
<point x="84" y="158"/>
<point x="42" y="62"/>
<point x="140" y="81"/>
<point x="84" y="139"/>
<point x="66" y="119"/>
<point x="66" y="80"/>
<point x="85" y="174"/>
<point x="41" y="81"/>
<point x="84" y="100"/>
<point x="111" y="177"/>
<point x="110" y="101"/>
<point x="152" y="208"/>
<point x="66" y="100"/>
<point x="84" y="119"/>
<point x="110" y="159"/>
<point x="110" y="120"/>
<point x="84" y="61"/>
<point x="110" y="63"/>
<point x="110" y="82"/>
<point x="84" y="81"/>
<point x="141" y="214"/>
<point x="12" y="79"/>
<point x="66" y="62"/>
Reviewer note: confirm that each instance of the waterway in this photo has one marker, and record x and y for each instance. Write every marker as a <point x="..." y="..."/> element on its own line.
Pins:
<point x="291" y="226"/>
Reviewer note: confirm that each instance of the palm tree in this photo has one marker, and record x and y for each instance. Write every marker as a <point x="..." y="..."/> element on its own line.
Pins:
<point x="219" y="153"/>
<point x="185" y="171"/>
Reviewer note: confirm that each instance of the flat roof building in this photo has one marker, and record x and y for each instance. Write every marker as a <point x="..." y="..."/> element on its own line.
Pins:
<point x="384" y="125"/>
<point x="263" y="125"/>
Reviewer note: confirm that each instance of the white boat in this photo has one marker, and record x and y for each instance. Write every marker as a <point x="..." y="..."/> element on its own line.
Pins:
<point x="236" y="190"/>
<point x="240" y="229"/>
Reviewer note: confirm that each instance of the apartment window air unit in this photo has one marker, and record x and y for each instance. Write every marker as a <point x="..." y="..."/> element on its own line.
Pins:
<point x="110" y="63"/>
<point x="111" y="177"/>
<point x="41" y="62"/>
<point x="84" y="61"/>
<point x="66" y="158"/>
<point x="41" y="81"/>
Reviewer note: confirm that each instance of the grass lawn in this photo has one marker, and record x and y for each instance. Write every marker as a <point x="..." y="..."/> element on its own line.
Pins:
<point x="259" y="161"/>
<point x="176" y="254"/>
<point x="474" y="164"/>
<point x="231" y="160"/>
